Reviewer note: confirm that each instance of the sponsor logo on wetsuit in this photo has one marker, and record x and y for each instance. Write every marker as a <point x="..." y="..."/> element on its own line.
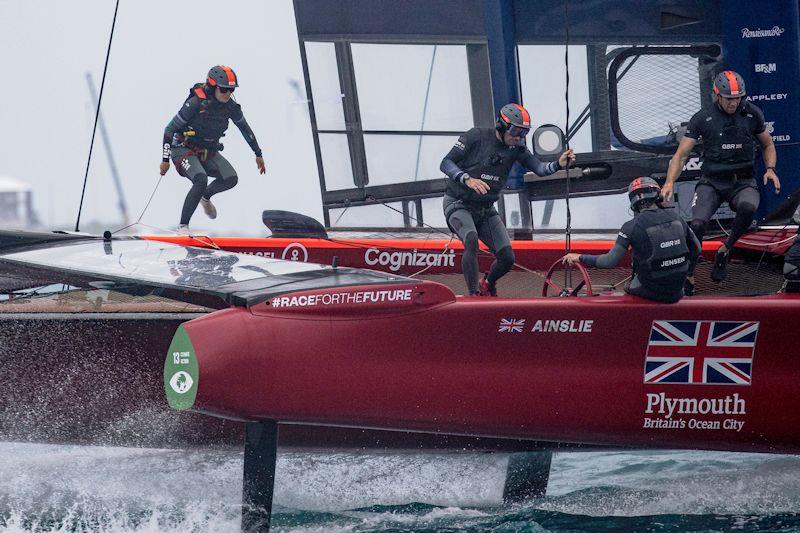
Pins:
<point x="673" y="262"/>
<point x="775" y="31"/>
<point x="459" y="145"/>
<point x="489" y="177"/>
<point x="397" y="260"/>
<point x="694" y="163"/>
<point x="667" y="244"/>
<point x="731" y="146"/>
<point x="343" y="298"/>
<point x="766" y="68"/>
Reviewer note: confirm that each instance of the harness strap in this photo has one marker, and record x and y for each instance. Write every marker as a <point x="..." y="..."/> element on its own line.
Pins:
<point x="200" y="153"/>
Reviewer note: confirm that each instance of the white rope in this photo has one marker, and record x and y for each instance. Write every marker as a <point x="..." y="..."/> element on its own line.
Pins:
<point x="757" y="244"/>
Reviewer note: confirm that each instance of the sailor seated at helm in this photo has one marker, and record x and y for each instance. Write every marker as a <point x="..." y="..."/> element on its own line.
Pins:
<point x="664" y="247"/>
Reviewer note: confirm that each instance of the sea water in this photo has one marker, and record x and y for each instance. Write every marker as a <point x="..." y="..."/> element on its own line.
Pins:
<point x="85" y="488"/>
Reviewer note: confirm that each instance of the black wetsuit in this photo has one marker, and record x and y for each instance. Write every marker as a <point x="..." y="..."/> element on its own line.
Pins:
<point x="729" y="143"/>
<point x="191" y="139"/>
<point x="664" y="250"/>
<point x="208" y="118"/>
<point x="479" y="154"/>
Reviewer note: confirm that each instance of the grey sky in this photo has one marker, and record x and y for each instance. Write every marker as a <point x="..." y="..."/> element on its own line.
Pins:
<point x="160" y="49"/>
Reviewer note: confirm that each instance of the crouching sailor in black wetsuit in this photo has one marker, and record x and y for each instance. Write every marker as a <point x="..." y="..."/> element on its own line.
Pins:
<point x="478" y="167"/>
<point x="664" y="247"/>
<point x="192" y="140"/>
<point x="728" y="129"/>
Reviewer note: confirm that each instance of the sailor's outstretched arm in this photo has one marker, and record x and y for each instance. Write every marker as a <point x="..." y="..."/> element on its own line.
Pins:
<point x="606" y="260"/>
<point x="249" y="136"/>
<point x="609" y="259"/>
<point x="532" y="163"/>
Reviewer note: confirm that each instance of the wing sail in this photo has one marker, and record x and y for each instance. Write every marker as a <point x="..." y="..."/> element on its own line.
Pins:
<point x="194" y="273"/>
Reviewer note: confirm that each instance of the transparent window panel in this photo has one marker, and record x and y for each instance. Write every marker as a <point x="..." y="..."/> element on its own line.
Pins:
<point x="597" y="213"/>
<point x="647" y="119"/>
<point x="543" y="78"/>
<point x="394" y="80"/>
<point x="368" y="216"/>
<point x="433" y="214"/>
<point x="513" y="212"/>
<point x="405" y="158"/>
<point x="336" y="161"/>
<point x="325" y="89"/>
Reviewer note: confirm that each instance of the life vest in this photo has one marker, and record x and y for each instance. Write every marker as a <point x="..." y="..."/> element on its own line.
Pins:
<point x="660" y="252"/>
<point x="728" y="141"/>
<point x="489" y="160"/>
<point x="205" y="129"/>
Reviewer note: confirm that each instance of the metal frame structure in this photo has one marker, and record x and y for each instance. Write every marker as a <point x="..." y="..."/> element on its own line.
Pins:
<point x="492" y="30"/>
<point x="708" y="53"/>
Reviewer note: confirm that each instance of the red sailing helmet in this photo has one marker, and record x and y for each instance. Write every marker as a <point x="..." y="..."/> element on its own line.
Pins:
<point x="515" y="119"/>
<point x="729" y="84"/>
<point x="642" y="189"/>
<point x="222" y="76"/>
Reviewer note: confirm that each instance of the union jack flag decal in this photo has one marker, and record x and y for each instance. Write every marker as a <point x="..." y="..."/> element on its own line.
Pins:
<point x="700" y="352"/>
<point x="511" y="325"/>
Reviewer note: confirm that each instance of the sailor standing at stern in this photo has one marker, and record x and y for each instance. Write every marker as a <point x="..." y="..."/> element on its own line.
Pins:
<point x="478" y="167"/>
<point x="727" y="129"/>
<point x="664" y="247"/>
<point x="192" y="137"/>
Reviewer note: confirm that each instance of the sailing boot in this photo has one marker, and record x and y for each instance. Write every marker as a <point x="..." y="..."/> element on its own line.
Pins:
<point x="486" y="288"/>
<point x="183" y="229"/>
<point x="720" y="270"/>
<point x="209" y="208"/>
<point x="688" y="287"/>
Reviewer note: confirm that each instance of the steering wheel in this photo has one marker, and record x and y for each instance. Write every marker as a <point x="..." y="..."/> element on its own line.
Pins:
<point x="567" y="291"/>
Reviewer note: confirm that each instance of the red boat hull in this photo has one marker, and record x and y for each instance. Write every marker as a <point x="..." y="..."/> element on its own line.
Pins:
<point x="564" y="370"/>
<point x="401" y="256"/>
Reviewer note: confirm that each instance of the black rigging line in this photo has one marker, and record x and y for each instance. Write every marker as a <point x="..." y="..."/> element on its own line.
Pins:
<point x="96" y="117"/>
<point x="568" y="230"/>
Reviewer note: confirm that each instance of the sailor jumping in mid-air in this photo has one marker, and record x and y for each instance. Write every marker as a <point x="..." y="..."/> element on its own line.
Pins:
<point x="664" y="247"/>
<point x="478" y="167"/>
<point x="728" y="129"/>
<point x="192" y="137"/>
